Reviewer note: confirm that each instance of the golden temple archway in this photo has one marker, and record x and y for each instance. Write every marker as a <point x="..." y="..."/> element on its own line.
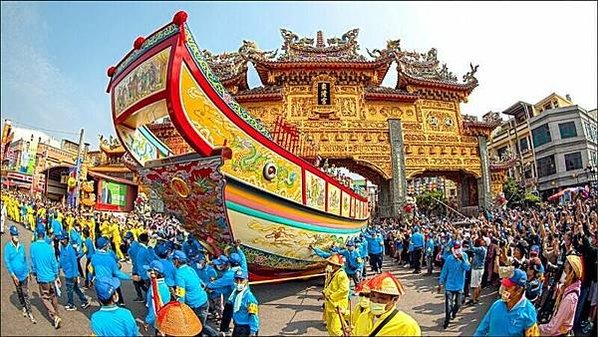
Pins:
<point x="333" y="96"/>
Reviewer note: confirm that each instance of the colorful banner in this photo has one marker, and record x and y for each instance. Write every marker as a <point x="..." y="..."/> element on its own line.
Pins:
<point x="113" y="193"/>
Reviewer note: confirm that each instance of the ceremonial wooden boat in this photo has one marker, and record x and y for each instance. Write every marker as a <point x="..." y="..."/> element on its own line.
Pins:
<point x="219" y="170"/>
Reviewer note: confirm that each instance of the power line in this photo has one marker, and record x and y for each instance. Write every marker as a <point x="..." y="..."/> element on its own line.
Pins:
<point x="44" y="129"/>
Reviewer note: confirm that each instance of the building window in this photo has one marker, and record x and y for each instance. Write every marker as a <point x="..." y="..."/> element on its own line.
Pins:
<point x="591" y="131"/>
<point x="541" y="135"/>
<point x="593" y="158"/>
<point x="546" y="166"/>
<point x="547" y="106"/>
<point x="573" y="161"/>
<point x="568" y="130"/>
<point x="555" y="104"/>
<point x="523" y="145"/>
<point x="501" y="152"/>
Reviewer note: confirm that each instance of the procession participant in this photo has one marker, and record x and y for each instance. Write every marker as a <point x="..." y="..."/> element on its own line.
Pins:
<point x="429" y="248"/>
<point x="169" y="270"/>
<point x="336" y="296"/>
<point x="91" y="226"/>
<point x="76" y="241"/>
<point x="116" y="238"/>
<point x="89" y="250"/>
<point x="222" y="287"/>
<point x="177" y="319"/>
<point x="16" y="265"/>
<point x="375" y="251"/>
<point x="45" y="268"/>
<point x="204" y="270"/>
<point x="143" y="256"/>
<point x="245" y="307"/>
<point x="105" y="264"/>
<point x="512" y="314"/>
<point x="190" y="291"/>
<point x="361" y="325"/>
<point x="417" y="245"/>
<point x="56" y="228"/>
<point x="68" y="264"/>
<point x="477" y="268"/>
<point x="157" y="286"/>
<point x="452" y="277"/>
<point x="105" y="228"/>
<point x="362" y="246"/>
<point x="386" y="291"/>
<point x="533" y="288"/>
<point x="353" y="261"/>
<point x="561" y="323"/>
<point x="110" y="319"/>
<point x="191" y="246"/>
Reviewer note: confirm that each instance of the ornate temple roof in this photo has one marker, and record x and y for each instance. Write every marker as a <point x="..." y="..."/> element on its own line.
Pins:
<point x="314" y="54"/>
<point x="269" y="93"/>
<point x="389" y="94"/>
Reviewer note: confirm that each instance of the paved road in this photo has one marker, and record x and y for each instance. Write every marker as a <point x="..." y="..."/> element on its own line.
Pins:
<point x="290" y="308"/>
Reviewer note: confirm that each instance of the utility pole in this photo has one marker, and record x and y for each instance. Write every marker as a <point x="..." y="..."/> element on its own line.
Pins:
<point x="78" y="164"/>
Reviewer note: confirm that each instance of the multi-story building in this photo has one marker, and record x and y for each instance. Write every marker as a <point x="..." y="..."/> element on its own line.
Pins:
<point x="565" y="144"/>
<point x="526" y="145"/>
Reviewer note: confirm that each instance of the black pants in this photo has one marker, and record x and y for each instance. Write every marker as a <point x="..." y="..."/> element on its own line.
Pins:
<point x="241" y="330"/>
<point x="227" y="316"/>
<point x="376" y="262"/>
<point x="417" y="259"/>
<point x="56" y="247"/>
<point x="139" y="286"/>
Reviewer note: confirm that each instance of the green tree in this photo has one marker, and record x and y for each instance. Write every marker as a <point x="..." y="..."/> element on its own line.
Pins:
<point x="427" y="203"/>
<point x="513" y="192"/>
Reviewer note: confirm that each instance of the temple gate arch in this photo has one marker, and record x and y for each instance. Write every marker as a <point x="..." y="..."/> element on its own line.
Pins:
<point x="334" y="97"/>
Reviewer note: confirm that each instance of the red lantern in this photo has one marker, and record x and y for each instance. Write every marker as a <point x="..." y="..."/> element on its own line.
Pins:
<point x="138" y="42"/>
<point x="179" y="18"/>
<point x="111" y="71"/>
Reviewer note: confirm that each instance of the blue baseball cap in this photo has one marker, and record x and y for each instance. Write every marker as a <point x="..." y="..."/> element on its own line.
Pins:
<point x="13" y="230"/>
<point x="102" y="242"/>
<point x="350" y="243"/>
<point x="534" y="249"/>
<point x="161" y="250"/>
<point x="179" y="255"/>
<point x="240" y="275"/>
<point x="105" y="287"/>
<point x="128" y="235"/>
<point x="456" y="244"/>
<point x="155" y="265"/>
<point x="40" y="229"/>
<point x="518" y="278"/>
<point x="235" y="258"/>
<point x="221" y="260"/>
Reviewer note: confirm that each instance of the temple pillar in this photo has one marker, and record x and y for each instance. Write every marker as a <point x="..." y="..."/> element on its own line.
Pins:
<point x="484" y="196"/>
<point x="398" y="183"/>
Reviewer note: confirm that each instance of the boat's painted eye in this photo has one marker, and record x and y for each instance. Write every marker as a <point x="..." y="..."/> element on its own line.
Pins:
<point x="270" y="171"/>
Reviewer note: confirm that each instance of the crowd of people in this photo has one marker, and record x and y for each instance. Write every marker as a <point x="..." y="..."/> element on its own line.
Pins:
<point x="173" y="273"/>
<point x="542" y="260"/>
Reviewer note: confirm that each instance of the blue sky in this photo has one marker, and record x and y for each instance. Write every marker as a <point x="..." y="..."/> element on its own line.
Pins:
<point x="55" y="55"/>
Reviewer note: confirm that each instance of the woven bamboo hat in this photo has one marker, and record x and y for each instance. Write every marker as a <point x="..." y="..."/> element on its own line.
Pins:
<point x="386" y="283"/>
<point x="178" y="319"/>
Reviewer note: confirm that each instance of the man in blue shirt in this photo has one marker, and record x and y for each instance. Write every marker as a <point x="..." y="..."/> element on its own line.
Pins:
<point x="417" y="246"/>
<point x="111" y="320"/>
<point x="513" y="314"/>
<point x="16" y="265"/>
<point x="190" y="291"/>
<point x="132" y="252"/>
<point x="144" y="256"/>
<point x="430" y="247"/>
<point x="452" y="277"/>
<point x="375" y="251"/>
<point x="89" y="249"/>
<point x="155" y="302"/>
<point x="105" y="264"/>
<point x="68" y="264"/>
<point x="353" y="261"/>
<point x="45" y="268"/>
<point x="245" y="307"/>
<point x="56" y="227"/>
<point x="168" y="268"/>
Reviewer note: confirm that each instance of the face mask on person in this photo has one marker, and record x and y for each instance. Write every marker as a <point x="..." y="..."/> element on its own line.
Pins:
<point x="329" y="269"/>
<point x="364" y="302"/>
<point x="240" y="286"/>
<point x="377" y="308"/>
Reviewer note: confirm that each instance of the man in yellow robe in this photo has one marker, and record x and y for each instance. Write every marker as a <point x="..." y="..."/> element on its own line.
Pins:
<point x="336" y="296"/>
<point x="361" y="325"/>
<point x="387" y="319"/>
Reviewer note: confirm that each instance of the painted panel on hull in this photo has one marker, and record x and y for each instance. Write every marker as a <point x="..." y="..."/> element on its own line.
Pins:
<point x="278" y="239"/>
<point x="248" y="156"/>
<point x="148" y="78"/>
<point x="193" y="190"/>
<point x="353" y="207"/>
<point x="315" y="188"/>
<point x="346" y="201"/>
<point x="334" y="200"/>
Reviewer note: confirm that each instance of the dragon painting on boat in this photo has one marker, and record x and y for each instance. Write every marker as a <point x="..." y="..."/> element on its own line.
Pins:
<point x="222" y="174"/>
